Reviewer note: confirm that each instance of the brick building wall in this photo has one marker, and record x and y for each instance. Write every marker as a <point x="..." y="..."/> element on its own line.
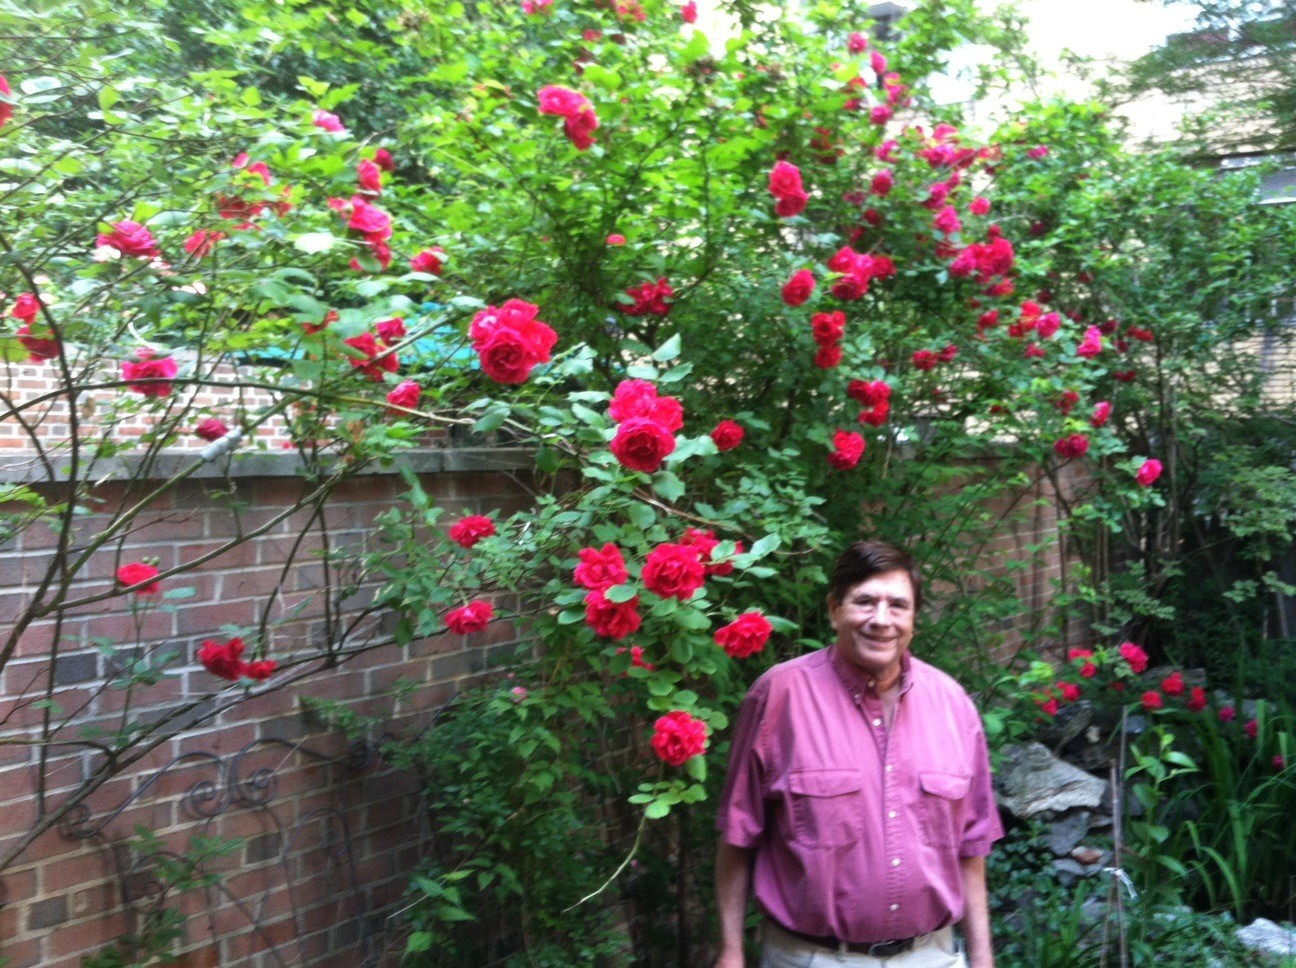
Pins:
<point x="358" y="825"/>
<point x="327" y="842"/>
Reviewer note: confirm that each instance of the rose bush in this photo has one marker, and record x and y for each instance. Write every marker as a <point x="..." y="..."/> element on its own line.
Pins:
<point x="739" y="311"/>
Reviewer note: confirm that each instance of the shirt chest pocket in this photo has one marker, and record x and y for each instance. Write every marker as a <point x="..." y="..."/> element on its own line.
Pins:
<point x="941" y="807"/>
<point x="826" y="807"/>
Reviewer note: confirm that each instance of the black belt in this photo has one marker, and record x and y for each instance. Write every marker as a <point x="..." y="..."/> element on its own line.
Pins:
<point x="874" y="949"/>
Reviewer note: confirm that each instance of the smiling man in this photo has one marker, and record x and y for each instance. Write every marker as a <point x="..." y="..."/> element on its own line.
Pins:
<point x="858" y="805"/>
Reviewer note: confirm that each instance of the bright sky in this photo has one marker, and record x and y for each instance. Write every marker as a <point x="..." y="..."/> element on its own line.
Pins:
<point x="1107" y="30"/>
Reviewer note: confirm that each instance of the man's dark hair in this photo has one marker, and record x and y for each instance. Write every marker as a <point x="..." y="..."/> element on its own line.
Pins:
<point x="864" y="559"/>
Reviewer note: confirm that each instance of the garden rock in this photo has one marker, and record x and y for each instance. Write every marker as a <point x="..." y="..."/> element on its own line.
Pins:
<point x="1034" y="781"/>
<point x="1264" y="935"/>
<point x="1069" y="871"/>
<point x="1065" y="835"/>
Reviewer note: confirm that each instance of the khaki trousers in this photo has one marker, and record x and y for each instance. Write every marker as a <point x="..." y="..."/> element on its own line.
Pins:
<point x="783" y="950"/>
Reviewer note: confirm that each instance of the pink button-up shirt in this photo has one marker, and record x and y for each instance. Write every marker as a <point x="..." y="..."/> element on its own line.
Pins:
<point x="858" y="829"/>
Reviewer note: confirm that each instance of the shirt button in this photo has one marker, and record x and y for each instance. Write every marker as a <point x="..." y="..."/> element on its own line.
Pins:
<point x="892" y="814"/>
<point x="895" y="907"/>
<point x="857" y="697"/>
<point x="895" y="861"/>
<point x="877" y="722"/>
<point x="888" y="769"/>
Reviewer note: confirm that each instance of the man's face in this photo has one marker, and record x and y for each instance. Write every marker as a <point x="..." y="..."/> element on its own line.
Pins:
<point x="874" y="623"/>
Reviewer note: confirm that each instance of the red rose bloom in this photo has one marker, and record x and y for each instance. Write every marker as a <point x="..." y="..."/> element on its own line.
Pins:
<point x="326" y="121"/>
<point x="638" y="398"/>
<point x="506" y="357"/>
<point x="39" y="348"/>
<point x="828" y="357"/>
<point x="580" y="129"/>
<point x="688" y="12"/>
<point x="980" y="206"/>
<point x="6" y="109"/>
<point x="406" y="394"/>
<point x="611" y="620"/>
<point x="137" y="573"/>
<point x="601" y="568"/>
<point x="375" y="360"/>
<point x="473" y="617"/>
<point x="745" y="635"/>
<point x="798" y="289"/>
<point x="1173" y="684"/>
<point x="616" y="239"/>
<point x="149" y="375"/>
<point x="856" y="43"/>
<point x="561" y="101"/>
<point x="828" y="328"/>
<point x="1048" y="706"/>
<point x="678" y="737"/>
<point x="869" y="393"/>
<point x="25" y="307"/>
<point x="467" y="531"/>
<point x="1070" y="691"/>
<point x="848" y="448"/>
<point x="1152" y="700"/>
<point x="650" y="298"/>
<point x="369" y="177"/>
<point x="1071" y="447"/>
<point x="391" y="330"/>
<point x="383" y="159"/>
<point x="260" y="670"/>
<point x="641" y="444"/>
<point x="130" y="238"/>
<point x="1197" y="699"/>
<point x="1149" y="472"/>
<point x="947" y="220"/>
<point x="882" y="183"/>
<point x="1136" y="657"/>
<point x="785" y="180"/>
<point x="1227" y="714"/>
<point x="211" y="429"/>
<point x="223" y="660"/>
<point x="727" y="435"/>
<point x="790" y="205"/>
<point x="1091" y="345"/>
<point x="369" y="220"/>
<point x="877" y="416"/>
<point x="1101" y="414"/>
<point x="924" y="360"/>
<point x="429" y="261"/>
<point x="1252" y="728"/>
<point x="674" y="571"/>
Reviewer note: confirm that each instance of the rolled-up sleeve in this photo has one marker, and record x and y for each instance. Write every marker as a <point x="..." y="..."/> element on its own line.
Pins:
<point x="983" y="826"/>
<point x="741" y="817"/>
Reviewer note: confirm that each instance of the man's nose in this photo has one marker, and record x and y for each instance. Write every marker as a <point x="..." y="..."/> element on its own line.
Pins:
<point x="882" y="614"/>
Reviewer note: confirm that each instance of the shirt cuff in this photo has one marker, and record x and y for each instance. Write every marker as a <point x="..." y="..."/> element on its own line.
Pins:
<point x="737" y="834"/>
<point x="976" y="848"/>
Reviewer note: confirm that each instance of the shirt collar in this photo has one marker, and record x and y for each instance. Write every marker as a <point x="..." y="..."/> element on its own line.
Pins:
<point x="857" y="680"/>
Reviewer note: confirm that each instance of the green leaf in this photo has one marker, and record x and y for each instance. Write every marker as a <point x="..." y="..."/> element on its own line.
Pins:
<point x="670" y="487"/>
<point x="668" y="350"/>
<point x="657" y="809"/>
<point x="620" y="593"/>
<point x="108" y="96"/>
<point x="764" y="546"/>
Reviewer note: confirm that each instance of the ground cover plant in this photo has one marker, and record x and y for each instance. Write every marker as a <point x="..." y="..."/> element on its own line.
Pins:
<point x="744" y="298"/>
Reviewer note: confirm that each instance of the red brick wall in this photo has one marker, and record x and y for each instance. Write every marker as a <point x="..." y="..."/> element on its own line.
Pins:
<point x="63" y="897"/>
